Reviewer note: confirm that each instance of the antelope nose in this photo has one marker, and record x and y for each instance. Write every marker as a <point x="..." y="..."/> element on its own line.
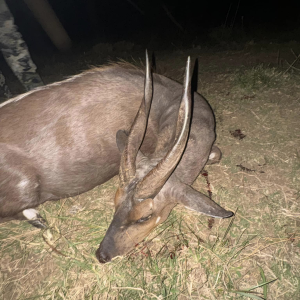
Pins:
<point x="102" y="257"/>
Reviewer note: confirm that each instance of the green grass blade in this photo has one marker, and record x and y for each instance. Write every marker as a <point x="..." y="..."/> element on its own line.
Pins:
<point x="265" y="286"/>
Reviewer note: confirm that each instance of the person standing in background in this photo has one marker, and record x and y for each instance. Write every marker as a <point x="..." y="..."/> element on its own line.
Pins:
<point x="16" y="54"/>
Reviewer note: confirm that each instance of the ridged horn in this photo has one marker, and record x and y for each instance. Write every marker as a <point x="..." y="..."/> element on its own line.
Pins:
<point x="156" y="178"/>
<point x="137" y="131"/>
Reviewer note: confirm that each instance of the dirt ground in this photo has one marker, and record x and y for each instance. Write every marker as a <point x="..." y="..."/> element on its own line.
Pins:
<point x="255" y="95"/>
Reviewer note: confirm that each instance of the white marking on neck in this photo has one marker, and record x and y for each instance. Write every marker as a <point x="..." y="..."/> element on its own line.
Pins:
<point x="30" y="213"/>
<point x="157" y="220"/>
<point x="23" y="183"/>
<point x="189" y="208"/>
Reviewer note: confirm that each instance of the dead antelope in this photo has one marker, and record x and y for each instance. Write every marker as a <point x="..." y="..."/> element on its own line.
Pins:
<point x="66" y="138"/>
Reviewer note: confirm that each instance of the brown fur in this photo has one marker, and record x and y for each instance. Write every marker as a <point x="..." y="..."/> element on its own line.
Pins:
<point x="60" y="140"/>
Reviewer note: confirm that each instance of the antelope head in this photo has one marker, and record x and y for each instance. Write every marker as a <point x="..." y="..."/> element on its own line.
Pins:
<point x="147" y="192"/>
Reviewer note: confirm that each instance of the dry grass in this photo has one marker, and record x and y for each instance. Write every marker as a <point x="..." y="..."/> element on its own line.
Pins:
<point x="255" y="255"/>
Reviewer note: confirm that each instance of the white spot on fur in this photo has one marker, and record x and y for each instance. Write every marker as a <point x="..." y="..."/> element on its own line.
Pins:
<point x="212" y="155"/>
<point x="30" y="213"/>
<point x="157" y="220"/>
<point x="23" y="183"/>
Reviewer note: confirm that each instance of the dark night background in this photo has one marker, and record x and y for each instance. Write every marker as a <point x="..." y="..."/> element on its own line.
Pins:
<point x="109" y="30"/>
<point x="89" y="22"/>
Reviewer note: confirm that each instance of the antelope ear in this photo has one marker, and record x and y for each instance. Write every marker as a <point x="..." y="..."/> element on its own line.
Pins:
<point x="121" y="138"/>
<point x="196" y="201"/>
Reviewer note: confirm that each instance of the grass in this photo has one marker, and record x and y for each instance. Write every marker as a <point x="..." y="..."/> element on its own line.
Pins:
<point x="259" y="77"/>
<point x="255" y="255"/>
<point x="177" y="261"/>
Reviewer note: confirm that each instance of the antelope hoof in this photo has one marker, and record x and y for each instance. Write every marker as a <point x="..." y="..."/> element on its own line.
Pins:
<point x="39" y="223"/>
<point x="34" y="218"/>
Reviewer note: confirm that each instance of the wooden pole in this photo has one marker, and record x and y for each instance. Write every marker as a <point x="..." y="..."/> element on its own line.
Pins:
<point x="45" y="15"/>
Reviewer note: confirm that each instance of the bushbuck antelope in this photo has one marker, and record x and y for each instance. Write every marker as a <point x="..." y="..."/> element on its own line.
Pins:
<point x="68" y="137"/>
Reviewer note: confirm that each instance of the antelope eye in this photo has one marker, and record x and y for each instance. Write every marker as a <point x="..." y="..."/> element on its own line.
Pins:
<point x="141" y="220"/>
